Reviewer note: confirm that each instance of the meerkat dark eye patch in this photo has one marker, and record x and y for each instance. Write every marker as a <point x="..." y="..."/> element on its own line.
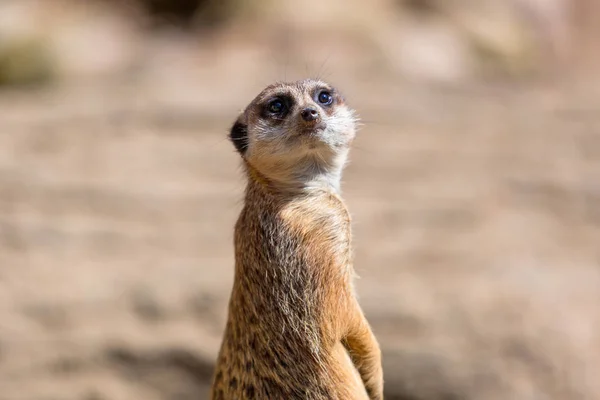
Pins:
<point x="239" y="137"/>
<point x="278" y="107"/>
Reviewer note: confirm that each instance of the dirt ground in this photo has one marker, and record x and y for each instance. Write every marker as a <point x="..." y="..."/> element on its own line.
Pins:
<point x="476" y="217"/>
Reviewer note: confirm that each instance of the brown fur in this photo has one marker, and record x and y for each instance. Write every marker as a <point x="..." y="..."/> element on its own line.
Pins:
<point x="295" y="329"/>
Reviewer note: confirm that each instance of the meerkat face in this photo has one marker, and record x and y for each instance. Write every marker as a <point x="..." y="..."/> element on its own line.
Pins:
<point x="289" y="125"/>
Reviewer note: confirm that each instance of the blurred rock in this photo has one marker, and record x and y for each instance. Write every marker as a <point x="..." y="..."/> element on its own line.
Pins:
<point x="25" y="61"/>
<point x="25" y="56"/>
<point x="59" y="39"/>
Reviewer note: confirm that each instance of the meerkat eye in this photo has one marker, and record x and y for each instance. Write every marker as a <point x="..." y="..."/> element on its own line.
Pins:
<point x="325" y="98"/>
<point x="276" y="106"/>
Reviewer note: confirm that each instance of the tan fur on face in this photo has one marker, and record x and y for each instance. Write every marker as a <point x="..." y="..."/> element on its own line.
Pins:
<point x="295" y="329"/>
<point x="282" y="151"/>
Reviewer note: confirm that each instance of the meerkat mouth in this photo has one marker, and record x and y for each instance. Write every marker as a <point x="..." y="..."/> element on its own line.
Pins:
<point x="312" y="130"/>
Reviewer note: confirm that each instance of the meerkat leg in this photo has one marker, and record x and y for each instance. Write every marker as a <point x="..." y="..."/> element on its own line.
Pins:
<point x="365" y="353"/>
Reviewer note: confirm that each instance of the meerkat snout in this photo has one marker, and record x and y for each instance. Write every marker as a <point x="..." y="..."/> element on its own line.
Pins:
<point x="310" y="114"/>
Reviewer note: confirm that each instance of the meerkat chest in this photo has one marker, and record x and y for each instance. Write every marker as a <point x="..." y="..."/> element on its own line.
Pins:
<point x="322" y="227"/>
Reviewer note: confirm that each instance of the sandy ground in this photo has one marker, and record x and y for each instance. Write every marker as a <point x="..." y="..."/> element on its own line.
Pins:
<point x="477" y="233"/>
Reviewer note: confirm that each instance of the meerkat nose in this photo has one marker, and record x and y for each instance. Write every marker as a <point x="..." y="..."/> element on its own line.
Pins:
<point x="309" y="114"/>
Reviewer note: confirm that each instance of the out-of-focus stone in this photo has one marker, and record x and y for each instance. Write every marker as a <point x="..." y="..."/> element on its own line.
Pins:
<point x="25" y="61"/>
<point x="40" y="40"/>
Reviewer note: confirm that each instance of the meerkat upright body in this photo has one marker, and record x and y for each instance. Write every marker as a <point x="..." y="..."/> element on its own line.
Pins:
<point x="295" y="329"/>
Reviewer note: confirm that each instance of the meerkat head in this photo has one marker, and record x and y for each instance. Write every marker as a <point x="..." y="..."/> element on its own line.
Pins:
<point x="296" y="133"/>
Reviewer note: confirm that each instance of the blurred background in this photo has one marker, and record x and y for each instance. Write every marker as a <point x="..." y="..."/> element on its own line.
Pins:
<point x="474" y="186"/>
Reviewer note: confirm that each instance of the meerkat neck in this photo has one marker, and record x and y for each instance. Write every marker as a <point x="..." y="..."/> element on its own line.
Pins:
<point x="304" y="178"/>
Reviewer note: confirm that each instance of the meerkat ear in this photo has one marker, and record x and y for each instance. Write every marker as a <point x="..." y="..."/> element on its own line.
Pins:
<point x="239" y="136"/>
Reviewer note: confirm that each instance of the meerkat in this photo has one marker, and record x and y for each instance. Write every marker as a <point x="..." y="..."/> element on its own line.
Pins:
<point x="295" y="329"/>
